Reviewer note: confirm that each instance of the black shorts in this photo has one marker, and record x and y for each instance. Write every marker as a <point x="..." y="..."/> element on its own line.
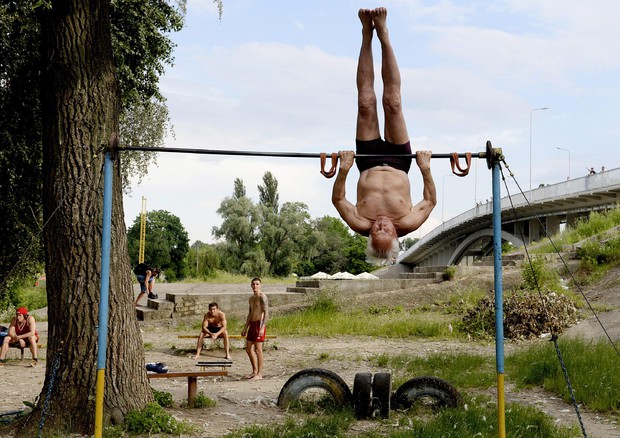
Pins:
<point x="385" y="152"/>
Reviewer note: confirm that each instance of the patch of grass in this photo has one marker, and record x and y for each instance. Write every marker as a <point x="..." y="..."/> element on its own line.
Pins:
<point x="148" y="346"/>
<point x="202" y="401"/>
<point x="323" y="356"/>
<point x="478" y="419"/>
<point x="312" y="322"/>
<point x="461" y="370"/>
<point x="153" y="419"/>
<point x="593" y="369"/>
<point x="223" y="277"/>
<point x="596" y="258"/>
<point x="334" y="425"/>
<point x="463" y="300"/>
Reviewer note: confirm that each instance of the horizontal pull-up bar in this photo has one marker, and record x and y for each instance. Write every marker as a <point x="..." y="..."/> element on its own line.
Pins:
<point x="275" y="154"/>
<point x="489" y="154"/>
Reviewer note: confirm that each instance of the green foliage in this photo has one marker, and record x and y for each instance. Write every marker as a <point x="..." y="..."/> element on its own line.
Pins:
<point x="202" y="261"/>
<point x="537" y="275"/>
<point x="323" y="319"/>
<point x="334" y="425"/>
<point x="153" y="419"/>
<point x="167" y="243"/>
<point x="162" y="398"/>
<point x="595" y="258"/>
<point x="593" y="369"/>
<point x="478" y="420"/>
<point x="324" y="302"/>
<point x="448" y="273"/>
<point x="202" y="401"/>
<point x="460" y="369"/>
<point x="141" y="46"/>
<point x="269" y="239"/>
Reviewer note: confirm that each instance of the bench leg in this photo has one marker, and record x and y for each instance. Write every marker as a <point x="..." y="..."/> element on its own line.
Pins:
<point x="191" y="390"/>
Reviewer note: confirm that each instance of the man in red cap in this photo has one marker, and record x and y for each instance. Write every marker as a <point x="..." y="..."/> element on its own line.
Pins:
<point x="22" y="334"/>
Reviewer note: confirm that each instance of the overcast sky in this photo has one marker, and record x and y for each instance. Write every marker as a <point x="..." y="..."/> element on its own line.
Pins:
<point x="280" y="76"/>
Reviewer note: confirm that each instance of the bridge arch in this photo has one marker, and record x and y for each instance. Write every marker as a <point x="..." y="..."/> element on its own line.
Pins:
<point x="458" y="253"/>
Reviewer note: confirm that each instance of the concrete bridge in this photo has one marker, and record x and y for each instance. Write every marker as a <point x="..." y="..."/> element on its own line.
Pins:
<point x="468" y="236"/>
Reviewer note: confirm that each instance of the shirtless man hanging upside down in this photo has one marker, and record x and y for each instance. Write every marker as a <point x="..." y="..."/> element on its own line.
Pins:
<point x="384" y="209"/>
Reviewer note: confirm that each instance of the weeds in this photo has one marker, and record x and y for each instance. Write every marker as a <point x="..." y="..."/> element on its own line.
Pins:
<point x="162" y="398"/>
<point x="153" y="419"/>
<point x="537" y="275"/>
<point x="593" y="368"/>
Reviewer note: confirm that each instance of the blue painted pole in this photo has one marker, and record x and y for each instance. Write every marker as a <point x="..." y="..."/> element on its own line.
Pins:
<point x="499" y="302"/>
<point x="104" y="293"/>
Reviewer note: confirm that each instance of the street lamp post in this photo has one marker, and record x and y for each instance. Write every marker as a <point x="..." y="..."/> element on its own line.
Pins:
<point x="531" y="113"/>
<point x="566" y="150"/>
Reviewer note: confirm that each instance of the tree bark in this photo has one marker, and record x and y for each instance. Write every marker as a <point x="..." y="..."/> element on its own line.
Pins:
<point x="80" y="110"/>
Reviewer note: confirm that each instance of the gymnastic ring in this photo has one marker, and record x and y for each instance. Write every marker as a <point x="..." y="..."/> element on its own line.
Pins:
<point x="454" y="162"/>
<point x="315" y="378"/>
<point x="436" y="393"/>
<point x="381" y="394"/>
<point x="332" y="171"/>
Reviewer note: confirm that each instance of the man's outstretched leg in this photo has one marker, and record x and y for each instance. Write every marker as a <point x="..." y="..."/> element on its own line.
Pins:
<point x="395" y="127"/>
<point x="367" y="119"/>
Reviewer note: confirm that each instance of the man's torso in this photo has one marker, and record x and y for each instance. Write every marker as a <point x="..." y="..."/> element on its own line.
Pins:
<point x="383" y="191"/>
<point x="256" y="307"/>
<point x="215" y="319"/>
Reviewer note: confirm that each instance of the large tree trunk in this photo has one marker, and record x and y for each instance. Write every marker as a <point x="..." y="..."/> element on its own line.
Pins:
<point x="80" y="115"/>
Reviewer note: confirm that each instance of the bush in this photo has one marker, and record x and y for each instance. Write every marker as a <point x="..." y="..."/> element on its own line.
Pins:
<point x="162" y="398"/>
<point x="448" y="273"/>
<point x="526" y="315"/>
<point x="538" y="275"/>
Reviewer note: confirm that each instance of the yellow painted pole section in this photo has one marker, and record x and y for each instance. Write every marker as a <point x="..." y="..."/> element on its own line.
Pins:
<point x="142" y="231"/>
<point x="99" y="404"/>
<point x="501" y="407"/>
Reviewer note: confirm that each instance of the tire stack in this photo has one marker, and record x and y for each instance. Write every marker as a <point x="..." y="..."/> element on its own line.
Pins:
<point x="372" y="395"/>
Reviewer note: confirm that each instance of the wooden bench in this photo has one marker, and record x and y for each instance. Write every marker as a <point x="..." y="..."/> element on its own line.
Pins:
<point x="214" y="364"/>
<point x="229" y="337"/>
<point x="192" y="379"/>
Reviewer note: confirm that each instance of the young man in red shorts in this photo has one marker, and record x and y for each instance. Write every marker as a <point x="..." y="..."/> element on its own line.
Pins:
<point x="255" y="329"/>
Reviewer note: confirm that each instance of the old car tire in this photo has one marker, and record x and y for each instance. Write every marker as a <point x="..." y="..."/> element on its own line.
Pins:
<point x="315" y="378"/>
<point x="362" y="388"/>
<point x="435" y="392"/>
<point x="381" y="394"/>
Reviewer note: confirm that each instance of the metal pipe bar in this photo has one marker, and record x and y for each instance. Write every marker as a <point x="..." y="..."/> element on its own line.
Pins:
<point x="276" y="154"/>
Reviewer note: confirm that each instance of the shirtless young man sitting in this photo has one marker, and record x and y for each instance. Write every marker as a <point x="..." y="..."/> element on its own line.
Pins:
<point x="213" y="326"/>
<point x="384" y="209"/>
<point x="255" y="328"/>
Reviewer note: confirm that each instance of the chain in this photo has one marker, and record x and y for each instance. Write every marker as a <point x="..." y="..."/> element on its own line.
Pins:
<point x="49" y="393"/>
<point x="554" y="339"/>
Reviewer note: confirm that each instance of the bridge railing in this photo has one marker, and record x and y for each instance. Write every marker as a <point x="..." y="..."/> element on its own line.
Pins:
<point x="565" y="189"/>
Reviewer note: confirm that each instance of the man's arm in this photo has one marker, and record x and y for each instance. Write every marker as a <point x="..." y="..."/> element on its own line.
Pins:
<point x="264" y="303"/>
<point x="347" y="211"/>
<point x="420" y="212"/>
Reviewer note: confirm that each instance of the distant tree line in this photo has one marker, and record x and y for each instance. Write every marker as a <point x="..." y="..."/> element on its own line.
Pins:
<point x="263" y="238"/>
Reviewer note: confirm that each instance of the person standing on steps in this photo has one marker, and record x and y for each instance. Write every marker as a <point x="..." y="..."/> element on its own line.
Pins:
<point x="146" y="277"/>
<point x="255" y="329"/>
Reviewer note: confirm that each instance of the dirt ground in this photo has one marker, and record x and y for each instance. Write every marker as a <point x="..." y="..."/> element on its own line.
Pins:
<point x="243" y="402"/>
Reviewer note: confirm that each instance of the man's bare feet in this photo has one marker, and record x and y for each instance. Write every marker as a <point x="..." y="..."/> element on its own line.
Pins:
<point x="379" y="20"/>
<point x="256" y="377"/>
<point x="249" y="376"/>
<point x="366" y="19"/>
<point x="228" y="357"/>
<point x="196" y="357"/>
